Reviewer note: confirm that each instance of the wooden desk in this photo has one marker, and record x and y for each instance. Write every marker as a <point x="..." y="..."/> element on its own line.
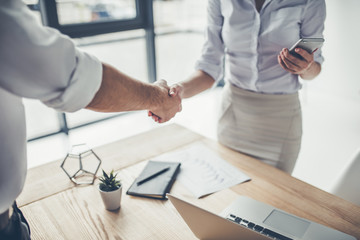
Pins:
<point x="57" y="209"/>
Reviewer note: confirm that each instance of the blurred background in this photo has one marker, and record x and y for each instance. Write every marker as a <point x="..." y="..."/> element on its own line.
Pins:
<point x="331" y="102"/>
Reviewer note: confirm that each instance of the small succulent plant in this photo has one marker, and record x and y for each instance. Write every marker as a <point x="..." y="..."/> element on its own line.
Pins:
<point x="109" y="182"/>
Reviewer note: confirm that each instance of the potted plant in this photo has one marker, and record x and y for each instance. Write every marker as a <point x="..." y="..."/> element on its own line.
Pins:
<point x="110" y="190"/>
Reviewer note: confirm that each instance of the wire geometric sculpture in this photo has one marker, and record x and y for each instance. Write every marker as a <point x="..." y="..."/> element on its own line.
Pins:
<point x="81" y="163"/>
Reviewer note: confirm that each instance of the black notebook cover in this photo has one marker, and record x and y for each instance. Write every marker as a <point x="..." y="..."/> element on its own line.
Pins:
<point x="158" y="186"/>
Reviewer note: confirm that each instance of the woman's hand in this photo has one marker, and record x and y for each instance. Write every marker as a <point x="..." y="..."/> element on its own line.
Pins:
<point x="306" y="67"/>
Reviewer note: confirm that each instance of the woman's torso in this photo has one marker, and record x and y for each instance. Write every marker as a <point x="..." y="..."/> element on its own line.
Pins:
<point x="253" y="39"/>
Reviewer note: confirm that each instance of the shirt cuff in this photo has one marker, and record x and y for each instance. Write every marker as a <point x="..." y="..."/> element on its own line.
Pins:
<point x="83" y="85"/>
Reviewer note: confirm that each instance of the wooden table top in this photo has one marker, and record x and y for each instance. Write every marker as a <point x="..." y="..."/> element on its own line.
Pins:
<point x="58" y="209"/>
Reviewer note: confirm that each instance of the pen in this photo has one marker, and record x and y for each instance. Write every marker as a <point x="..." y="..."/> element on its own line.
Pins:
<point x="152" y="176"/>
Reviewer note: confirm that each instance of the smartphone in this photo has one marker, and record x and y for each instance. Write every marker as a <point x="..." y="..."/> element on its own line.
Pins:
<point x="308" y="44"/>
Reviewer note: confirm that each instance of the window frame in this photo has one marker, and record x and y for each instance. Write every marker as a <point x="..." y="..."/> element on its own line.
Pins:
<point x="144" y="20"/>
<point x="50" y="18"/>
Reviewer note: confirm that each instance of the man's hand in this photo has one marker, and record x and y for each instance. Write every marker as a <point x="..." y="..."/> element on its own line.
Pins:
<point x="306" y="67"/>
<point x="197" y="83"/>
<point x="168" y="107"/>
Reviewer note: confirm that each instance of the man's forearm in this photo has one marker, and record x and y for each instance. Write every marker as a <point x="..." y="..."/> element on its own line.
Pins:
<point x="119" y="92"/>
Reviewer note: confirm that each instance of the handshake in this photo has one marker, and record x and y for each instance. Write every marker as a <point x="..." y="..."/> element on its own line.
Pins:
<point x="168" y="103"/>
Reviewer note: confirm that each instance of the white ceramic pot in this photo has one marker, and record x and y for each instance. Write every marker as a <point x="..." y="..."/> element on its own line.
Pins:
<point x="111" y="199"/>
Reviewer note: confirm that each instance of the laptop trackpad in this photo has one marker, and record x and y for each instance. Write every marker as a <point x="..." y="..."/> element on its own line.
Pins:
<point x="287" y="223"/>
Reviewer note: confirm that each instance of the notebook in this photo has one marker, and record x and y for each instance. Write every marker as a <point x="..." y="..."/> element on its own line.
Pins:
<point x="155" y="180"/>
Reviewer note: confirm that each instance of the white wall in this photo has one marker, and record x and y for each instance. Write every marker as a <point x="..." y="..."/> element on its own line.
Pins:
<point x="331" y="103"/>
<point x="340" y="75"/>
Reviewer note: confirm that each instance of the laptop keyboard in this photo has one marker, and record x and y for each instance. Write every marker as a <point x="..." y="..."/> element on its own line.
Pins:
<point x="257" y="228"/>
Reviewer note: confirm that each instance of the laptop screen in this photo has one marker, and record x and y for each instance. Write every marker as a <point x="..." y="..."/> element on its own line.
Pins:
<point x="287" y="223"/>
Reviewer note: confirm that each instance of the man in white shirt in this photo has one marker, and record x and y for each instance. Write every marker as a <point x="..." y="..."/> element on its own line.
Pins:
<point x="40" y="63"/>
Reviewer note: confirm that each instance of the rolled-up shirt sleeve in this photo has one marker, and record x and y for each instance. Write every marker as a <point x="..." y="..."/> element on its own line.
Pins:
<point x="82" y="85"/>
<point x="211" y="60"/>
<point x="312" y="25"/>
<point x="41" y="63"/>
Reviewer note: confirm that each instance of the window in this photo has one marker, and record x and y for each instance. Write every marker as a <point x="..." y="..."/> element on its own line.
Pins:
<point x="99" y="21"/>
<point x="73" y="12"/>
<point x="121" y="32"/>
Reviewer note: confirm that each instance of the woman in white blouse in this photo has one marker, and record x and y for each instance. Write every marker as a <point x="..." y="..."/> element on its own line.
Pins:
<point x="261" y="112"/>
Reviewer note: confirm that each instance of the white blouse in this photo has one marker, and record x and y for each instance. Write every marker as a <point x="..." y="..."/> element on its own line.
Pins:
<point x="250" y="41"/>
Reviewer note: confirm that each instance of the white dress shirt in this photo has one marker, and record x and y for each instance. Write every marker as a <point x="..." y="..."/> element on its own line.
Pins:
<point x="251" y="41"/>
<point x="40" y="63"/>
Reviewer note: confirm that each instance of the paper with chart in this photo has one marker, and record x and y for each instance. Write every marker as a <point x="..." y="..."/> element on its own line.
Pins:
<point x="203" y="171"/>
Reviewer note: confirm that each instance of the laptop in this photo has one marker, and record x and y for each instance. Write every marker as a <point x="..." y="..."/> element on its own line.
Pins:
<point x="247" y="218"/>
